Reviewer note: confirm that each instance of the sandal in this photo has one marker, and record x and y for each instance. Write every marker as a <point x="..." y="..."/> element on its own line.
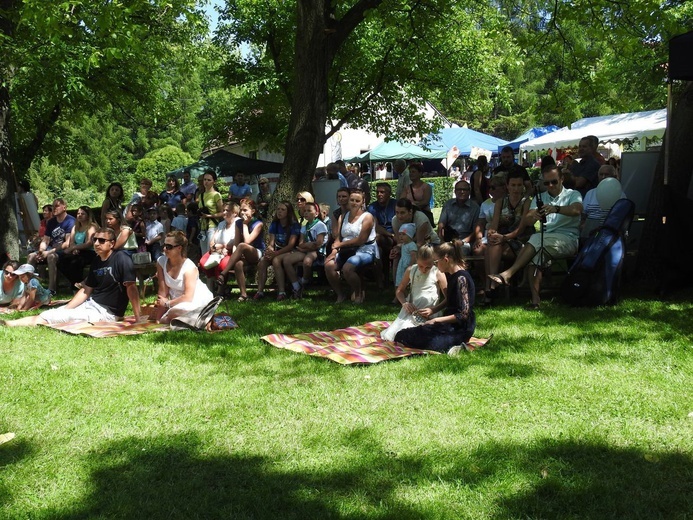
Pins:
<point x="242" y="299"/>
<point x="498" y="279"/>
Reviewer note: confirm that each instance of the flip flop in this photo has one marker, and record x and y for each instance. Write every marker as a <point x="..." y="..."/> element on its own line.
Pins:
<point x="498" y="279"/>
<point x="242" y="299"/>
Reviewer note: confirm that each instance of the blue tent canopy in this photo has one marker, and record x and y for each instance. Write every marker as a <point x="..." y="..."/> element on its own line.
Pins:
<point x="532" y="133"/>
<point x="392" y="150"/>
<point x="464" y="139"/>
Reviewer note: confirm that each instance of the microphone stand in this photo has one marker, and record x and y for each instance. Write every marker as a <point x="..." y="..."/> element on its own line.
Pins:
<point x="543" y="252"/>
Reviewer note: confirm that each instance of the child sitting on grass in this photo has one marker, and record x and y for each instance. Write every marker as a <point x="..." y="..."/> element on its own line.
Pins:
<point x="35" y="295"/>
<point x="427" y="285"/>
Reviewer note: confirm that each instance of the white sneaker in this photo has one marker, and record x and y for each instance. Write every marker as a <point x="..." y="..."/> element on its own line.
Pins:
<point x="455" y="351"/>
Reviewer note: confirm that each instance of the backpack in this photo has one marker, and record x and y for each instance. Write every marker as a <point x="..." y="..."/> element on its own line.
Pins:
<point x="595" y="276"/>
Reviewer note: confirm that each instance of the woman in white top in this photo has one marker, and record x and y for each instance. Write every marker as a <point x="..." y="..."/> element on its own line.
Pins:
<point x="180" y="289"/>
<point x="356" y="247"/>
<point x="222" y="242"/>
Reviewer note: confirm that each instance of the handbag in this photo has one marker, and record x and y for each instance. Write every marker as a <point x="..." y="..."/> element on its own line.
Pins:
<point x="141" y="258"/>
<point x="213" y="260"/>
<point x="198" y="319"/>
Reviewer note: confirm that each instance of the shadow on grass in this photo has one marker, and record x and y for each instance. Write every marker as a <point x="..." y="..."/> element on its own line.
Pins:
<point x="174" y="477"/>
<point x="11" y="453"/>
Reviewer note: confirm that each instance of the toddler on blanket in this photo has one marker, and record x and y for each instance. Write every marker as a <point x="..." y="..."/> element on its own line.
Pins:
<point x="427" y="286"/>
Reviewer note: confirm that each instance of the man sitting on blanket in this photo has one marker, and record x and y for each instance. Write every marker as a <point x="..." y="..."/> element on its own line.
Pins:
<point x="104" y="294"/>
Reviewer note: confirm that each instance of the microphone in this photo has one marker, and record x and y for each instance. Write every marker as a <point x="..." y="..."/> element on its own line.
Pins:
<point x="540" y="207"/>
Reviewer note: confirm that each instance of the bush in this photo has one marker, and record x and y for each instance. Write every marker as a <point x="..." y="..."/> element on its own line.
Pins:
<point x="442" y="188"/>
<point x="156" y="164"/>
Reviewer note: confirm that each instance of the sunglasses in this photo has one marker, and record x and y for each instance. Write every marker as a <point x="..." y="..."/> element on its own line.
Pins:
<point x="100" y="240"/>
<point x="301" y="199"/>
<point x="9" y="273"/>
<point x="168" y="247"/>
<point x="552" y="182"/>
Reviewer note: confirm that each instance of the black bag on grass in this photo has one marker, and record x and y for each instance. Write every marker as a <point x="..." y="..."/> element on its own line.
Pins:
<point x="595" y="276"/>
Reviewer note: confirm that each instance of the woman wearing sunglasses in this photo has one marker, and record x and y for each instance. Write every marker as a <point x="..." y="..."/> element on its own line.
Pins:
<point x="180" y="289"/>
<point x="559" y="210"/>
<point x="11" y="287"/>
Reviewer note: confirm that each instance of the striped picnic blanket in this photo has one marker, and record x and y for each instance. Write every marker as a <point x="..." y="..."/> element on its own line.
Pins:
<point x="353" y="345"/>
<point x="106" y="329"/>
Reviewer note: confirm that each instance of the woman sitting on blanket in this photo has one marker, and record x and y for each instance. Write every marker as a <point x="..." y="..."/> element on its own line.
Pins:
<point x="310" y="248"/>
<point x="283" y="237"/>
<point x="250" y="246"/>
<point x="426" y="286"/>
<point x="180" y="289"/>
<point x="356" y="247"/>
<point x="447" y="333"/>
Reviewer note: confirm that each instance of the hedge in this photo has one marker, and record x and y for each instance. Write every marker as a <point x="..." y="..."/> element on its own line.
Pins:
<point x="442" y="189"/>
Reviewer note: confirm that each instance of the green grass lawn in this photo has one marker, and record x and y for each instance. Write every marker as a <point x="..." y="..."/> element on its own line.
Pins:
<point x="568" y="413"/>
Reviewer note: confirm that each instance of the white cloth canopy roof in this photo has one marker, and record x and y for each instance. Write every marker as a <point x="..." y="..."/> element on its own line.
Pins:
<point x="608" y="129"/>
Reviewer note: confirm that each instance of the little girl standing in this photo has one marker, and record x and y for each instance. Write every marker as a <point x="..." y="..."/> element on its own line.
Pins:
<point x="405" y="238"/>
<point x="427" y="286"/>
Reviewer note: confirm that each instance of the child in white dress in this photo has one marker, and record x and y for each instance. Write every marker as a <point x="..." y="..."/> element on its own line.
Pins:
<point x="427" y="285"/>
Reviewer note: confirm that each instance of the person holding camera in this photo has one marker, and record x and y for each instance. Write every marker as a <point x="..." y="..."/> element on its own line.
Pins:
<point x="559" y="210"/>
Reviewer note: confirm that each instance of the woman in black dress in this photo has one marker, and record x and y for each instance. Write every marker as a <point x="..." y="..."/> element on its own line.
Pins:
<point x="456" y="326"/>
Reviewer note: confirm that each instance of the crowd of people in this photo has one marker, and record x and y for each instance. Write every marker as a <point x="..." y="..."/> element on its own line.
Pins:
<point x="193" y="232"/>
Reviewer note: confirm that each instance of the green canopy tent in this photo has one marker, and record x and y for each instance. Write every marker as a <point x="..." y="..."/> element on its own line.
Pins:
<point x="226" y="164"/>
<point x="393" y="150"/>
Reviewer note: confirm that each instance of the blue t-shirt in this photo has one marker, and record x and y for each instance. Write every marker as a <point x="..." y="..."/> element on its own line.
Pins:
<point x="240" y="192"/>
<point x="43" y="295"/>
<point x="283" y="235"/>
<point x="259" y="242"/>
<point x="383" y="216"/>
<point x="59" y="230"/>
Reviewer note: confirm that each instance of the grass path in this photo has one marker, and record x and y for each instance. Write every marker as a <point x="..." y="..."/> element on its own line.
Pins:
<point x="568" y="413"/>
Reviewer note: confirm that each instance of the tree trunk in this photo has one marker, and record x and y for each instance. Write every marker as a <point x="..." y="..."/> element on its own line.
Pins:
<point x="9" y="239"/>
<point x="318" y="37"/>
<point x="668" y="248"/>
<point x="309" y="103"/>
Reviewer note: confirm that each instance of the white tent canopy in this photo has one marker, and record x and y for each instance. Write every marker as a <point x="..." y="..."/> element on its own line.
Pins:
<point x="609" y="129"/>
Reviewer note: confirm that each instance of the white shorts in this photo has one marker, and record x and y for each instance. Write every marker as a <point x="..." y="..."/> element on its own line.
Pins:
<point x="557" y="245"/>
<point x="89" y="311"/>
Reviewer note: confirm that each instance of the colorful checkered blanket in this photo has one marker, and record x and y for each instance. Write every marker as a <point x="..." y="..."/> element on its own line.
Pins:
<point x="106" y="329"/>
<point x="353" y="345"/>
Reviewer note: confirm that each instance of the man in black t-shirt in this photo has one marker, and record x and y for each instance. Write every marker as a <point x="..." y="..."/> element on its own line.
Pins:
<point x="105" y="293"/>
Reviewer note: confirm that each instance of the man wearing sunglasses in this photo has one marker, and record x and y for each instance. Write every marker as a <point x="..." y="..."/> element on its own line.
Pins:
<point x="560" y="209"/>
<point x="105" y="293"/>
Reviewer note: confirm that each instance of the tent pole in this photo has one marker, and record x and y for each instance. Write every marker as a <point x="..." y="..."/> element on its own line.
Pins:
<point x="667" y="135"/>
